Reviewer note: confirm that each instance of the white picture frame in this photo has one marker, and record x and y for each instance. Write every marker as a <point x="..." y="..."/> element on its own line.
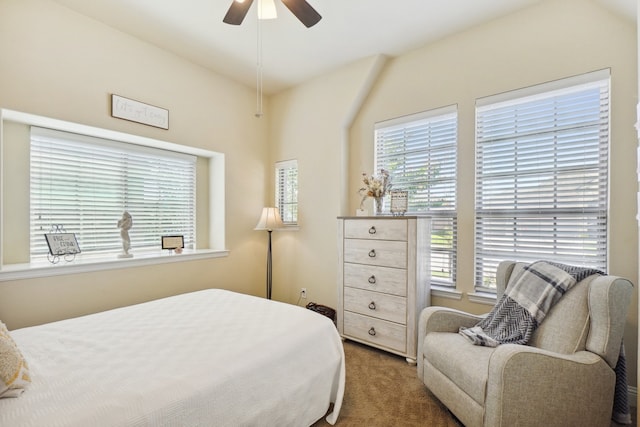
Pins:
<point x="173" y="242"/>
<point x="399" y="202"/>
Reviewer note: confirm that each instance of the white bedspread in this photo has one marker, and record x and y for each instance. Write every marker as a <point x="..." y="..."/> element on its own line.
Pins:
<point x="208" y="358"/>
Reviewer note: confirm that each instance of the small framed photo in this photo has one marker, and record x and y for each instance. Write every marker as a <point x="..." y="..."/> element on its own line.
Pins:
<point x="173" y="242"/>
<point x="399" y="201"/>
<point x="62" y="243"/>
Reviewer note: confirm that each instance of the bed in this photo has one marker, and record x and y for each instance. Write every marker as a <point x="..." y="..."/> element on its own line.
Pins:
<point x="211" y="357"/>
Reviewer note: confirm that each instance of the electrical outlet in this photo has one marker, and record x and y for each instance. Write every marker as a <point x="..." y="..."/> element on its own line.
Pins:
<point x="303" y="293"/>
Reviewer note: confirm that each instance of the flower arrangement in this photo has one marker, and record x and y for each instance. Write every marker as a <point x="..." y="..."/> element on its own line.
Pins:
<point x="375" y="186"/>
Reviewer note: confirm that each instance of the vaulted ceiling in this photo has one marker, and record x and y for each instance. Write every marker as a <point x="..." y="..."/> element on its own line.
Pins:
<point x="291" y="53"/>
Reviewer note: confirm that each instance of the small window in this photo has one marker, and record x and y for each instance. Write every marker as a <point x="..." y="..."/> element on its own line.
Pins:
<point x="542" y="175"/>
<point x="287" y="191"/>
<point x="84" y="184"/>
<point x="420" y="153"/>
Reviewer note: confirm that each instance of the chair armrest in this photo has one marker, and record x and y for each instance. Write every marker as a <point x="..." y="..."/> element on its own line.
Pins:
<point x="527" y="383"/>
<point x="440" y="319"/>
<point x="609" y="298"/>
<point x="444" y="319"/>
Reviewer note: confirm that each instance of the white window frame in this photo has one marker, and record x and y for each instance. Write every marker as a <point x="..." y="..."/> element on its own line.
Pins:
<point x="287" y="186"/>
<point x="215" y="247"/>
<point x="556" y="212"/>
<point x="426" y="140"/>
<point x="85" y="184"/>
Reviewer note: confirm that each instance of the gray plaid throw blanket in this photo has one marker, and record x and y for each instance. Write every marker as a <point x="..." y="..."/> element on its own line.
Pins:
<point x="524" y="305"/>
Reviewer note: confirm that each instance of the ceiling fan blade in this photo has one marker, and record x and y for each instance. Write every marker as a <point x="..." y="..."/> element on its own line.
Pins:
<point x="236" y="13"/>
<point x="303" y="11"/>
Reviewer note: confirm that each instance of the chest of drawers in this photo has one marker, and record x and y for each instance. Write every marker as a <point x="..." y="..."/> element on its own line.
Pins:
<point x="383" y="280"/>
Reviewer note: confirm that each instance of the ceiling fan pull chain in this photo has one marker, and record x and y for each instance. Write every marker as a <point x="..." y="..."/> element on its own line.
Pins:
<point x="259" y="112"/>
<point x="237" y="12"/>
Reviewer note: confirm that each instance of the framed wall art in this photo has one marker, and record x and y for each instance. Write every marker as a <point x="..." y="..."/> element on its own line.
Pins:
<point x="139" y="112"/>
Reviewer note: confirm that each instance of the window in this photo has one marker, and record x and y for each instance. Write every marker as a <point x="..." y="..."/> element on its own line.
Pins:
<point x="287" y="191"/>
<point x="541" y="175"/>
<point x="85" y="184"/>
<point x="419" y="151"/>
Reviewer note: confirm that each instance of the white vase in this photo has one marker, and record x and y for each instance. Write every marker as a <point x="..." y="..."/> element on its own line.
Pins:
<point x="379" y="204"/>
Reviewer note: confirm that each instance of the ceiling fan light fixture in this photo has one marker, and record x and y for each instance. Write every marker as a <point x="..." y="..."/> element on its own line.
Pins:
<point x="266" y="9"/>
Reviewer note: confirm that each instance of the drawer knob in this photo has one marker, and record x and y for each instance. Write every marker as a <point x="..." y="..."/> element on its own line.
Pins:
<point x="372" y="331"/>
<point x="372" y="253"/>
<point x="372" y="305"/>
<point x="372" y="230"/>
<point x="372" y="279"/>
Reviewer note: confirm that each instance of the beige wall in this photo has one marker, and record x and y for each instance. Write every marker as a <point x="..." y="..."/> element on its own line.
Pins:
<point x="56" y="63"/>
<point x="310" y="124"/>
<point x="59" y="64"/>
<point x="553" y="40"/>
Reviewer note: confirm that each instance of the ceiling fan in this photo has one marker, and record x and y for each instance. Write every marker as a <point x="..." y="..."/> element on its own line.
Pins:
<point x="300" y="8"/>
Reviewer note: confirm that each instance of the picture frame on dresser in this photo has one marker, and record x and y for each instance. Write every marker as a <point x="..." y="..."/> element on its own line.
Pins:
<point x="383" y="280"/>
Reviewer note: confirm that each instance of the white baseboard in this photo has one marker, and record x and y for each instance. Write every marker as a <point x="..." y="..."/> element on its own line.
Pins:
<point x="633" y="396"/>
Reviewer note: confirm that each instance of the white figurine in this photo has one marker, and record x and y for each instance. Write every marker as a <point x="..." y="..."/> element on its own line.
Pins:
<point x="124" y="225"/>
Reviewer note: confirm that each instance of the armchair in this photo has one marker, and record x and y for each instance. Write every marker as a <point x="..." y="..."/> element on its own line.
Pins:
<point x="564" y="376"/>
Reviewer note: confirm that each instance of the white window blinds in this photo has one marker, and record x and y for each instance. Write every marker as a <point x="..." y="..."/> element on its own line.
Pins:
<point x="541" y="176"/>
<point x="420" y="153"/>
<point x="287" y="191"/>
<point x="84" y="184"/>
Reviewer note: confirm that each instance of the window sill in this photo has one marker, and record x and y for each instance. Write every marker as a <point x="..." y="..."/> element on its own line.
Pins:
<point x="486" y="298"/>
<point x="445" y="292"/>
<point x="88" y="264"/>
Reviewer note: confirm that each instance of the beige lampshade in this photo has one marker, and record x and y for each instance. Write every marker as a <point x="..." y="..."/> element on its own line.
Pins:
<point x="269" y="220"/>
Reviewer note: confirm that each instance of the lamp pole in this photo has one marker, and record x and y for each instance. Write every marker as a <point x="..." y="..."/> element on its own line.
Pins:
<point x="269" y="221"/>
<point x="269" y="268"/>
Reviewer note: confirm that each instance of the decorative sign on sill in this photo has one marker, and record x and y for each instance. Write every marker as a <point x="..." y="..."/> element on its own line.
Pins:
<point x="62" y="244"/>
<point x="136" y="111"/>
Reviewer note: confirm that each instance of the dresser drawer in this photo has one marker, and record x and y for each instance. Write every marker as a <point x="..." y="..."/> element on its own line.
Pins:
<point x="380" y="229"/>
<point x="376" y="252"/>
<point x="375" y="331"/>
<point x="375" y="304"/>
<point x="373" y="278"/>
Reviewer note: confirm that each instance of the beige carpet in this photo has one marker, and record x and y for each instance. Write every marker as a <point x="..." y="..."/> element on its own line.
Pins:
<point x="383" y="390"/>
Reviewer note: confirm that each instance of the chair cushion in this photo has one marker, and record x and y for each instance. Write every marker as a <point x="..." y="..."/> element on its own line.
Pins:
<point x="566" y="327"/>
<point x="465" y="364"/>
